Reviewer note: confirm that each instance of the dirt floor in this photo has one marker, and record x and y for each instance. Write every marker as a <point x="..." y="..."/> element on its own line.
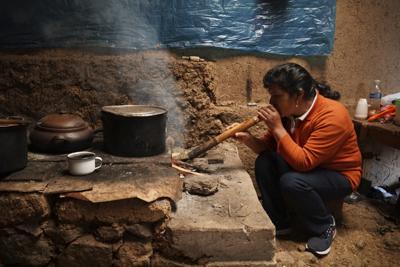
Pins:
<point x="367" y="236"/>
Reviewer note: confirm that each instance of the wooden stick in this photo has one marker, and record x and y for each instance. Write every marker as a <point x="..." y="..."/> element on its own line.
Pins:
<point x="220" y="138"/>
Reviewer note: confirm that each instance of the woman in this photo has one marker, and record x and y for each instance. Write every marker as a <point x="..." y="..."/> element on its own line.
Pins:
<point x="308" y="156"/>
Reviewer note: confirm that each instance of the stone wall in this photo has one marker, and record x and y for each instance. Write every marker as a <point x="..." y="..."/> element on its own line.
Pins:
<point x="46" y="230"/>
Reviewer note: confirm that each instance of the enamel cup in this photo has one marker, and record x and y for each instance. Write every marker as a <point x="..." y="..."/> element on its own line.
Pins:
<point x="83" y="162"/>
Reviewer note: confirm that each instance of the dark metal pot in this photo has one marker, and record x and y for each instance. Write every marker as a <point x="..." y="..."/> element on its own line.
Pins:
<point x="13" y="145"/>
<point x="61" y="133"/>
<point x="134" y="130"/>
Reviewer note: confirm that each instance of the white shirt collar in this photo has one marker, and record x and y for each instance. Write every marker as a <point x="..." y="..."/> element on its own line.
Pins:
<point x="302" y="117"/>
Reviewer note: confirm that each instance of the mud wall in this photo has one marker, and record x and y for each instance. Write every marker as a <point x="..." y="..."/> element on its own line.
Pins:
<point x="43" y="230"/>
<point x="367" y="47"/>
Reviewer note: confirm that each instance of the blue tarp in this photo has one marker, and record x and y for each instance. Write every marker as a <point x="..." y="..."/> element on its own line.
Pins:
<point x="287" y="27"/>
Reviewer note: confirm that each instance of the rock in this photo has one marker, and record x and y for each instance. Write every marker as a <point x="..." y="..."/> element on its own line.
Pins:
<point x="70" y="232"/>
<point x="62" y="234"/>
<point x="301" y="263"/>
<point x="203" y="185"/>
<point x="33" y="229"/>
<point x="86" y="251"/>
<point x="140" y="230"/>
<point x="133" y="211"/>
<point x="306" y="257"/>
<point x="134" y="254"/>
<point x="301" y="248"/>
<point x="75" y="211"/>
<point x="284" y="258"/>
<point x="109" y="234"/>
<point x="392" y="241"/>
<point x="17" y="208"/>
<point x="126" y="211"/>
<point x="160" y="261"/>
<point x="24" y="250"/>
<point x="117" y="245"/>
<point x="360" y="244"/>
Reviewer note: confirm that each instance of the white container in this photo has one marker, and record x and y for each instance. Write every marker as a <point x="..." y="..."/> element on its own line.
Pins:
<point x="83" y="162"/>
<point x="361" y="109"/>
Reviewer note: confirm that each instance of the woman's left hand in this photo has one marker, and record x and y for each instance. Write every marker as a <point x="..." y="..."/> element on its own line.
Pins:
<point x="271" y="117"/>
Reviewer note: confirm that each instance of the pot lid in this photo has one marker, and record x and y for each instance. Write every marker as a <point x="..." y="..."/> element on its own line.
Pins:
<point x="62" y="122"/>
<point x="134" y="110"/>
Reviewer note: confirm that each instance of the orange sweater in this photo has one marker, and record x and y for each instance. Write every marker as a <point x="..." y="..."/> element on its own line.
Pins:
<point x="326" y="138"/>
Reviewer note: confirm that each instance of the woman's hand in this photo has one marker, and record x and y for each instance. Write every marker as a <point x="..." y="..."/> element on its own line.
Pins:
<point x="246" y="138"/>
<point x="241" y="137"/>
<point x="270" y="116"/>
<point x="272" y="119"/>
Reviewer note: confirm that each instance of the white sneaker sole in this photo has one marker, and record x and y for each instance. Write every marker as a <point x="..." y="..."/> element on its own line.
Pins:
<point x="324" y="252"/>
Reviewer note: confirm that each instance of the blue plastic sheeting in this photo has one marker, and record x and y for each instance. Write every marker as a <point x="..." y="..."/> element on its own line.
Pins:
<point x="287" y="27"/>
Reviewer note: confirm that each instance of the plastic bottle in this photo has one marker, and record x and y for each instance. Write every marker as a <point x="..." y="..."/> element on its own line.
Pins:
<point x="375" y="97"/>
<point x="361" y="109"/>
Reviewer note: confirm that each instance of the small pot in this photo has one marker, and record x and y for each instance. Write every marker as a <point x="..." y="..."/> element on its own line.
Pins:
<point x="134" y="130"/>
<point x="13" y="143"/>
<point x="61" y="133"/>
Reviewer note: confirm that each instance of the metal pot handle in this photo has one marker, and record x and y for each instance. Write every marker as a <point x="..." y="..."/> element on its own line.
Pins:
<point x="15" y="118"/>
<point x="18" y="120"/>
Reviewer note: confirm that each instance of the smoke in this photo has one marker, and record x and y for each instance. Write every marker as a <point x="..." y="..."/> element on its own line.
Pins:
<point x="119" y="24"/>
<point x="126" y="24"/>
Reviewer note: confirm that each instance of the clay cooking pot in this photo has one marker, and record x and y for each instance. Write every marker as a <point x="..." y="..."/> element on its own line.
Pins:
<point x="61" y="133"/>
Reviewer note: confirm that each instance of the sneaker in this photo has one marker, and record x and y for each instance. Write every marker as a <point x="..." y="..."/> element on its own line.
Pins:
<point x="322" y="245"/>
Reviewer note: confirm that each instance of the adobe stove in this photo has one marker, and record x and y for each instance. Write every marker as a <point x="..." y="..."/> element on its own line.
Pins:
<point x="136" y="210"/>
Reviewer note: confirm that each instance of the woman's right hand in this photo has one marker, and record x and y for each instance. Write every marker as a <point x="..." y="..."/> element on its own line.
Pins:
<point x="242" y="137"/>
<point x="248" y="139"/>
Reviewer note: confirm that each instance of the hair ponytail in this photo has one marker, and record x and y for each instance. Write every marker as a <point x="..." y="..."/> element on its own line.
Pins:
<point x="292" y="78"/>
<point x="326" y="91"/>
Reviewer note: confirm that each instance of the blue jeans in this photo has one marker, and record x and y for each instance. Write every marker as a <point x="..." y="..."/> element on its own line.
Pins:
<point x="304" y="193"/>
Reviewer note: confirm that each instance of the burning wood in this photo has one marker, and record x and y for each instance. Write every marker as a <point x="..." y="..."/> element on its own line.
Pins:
<point x="183" y="167"/>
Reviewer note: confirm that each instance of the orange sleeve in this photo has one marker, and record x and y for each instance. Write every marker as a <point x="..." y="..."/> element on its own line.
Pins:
<point x="269" y="140"/>
<point x="327" y="137"/>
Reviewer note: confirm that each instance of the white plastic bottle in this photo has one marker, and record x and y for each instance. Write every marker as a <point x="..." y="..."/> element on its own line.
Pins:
<point x="375" y="97"/>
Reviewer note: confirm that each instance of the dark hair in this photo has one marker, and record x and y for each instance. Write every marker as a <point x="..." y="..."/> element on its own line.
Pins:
<point x="293" y="78"/>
